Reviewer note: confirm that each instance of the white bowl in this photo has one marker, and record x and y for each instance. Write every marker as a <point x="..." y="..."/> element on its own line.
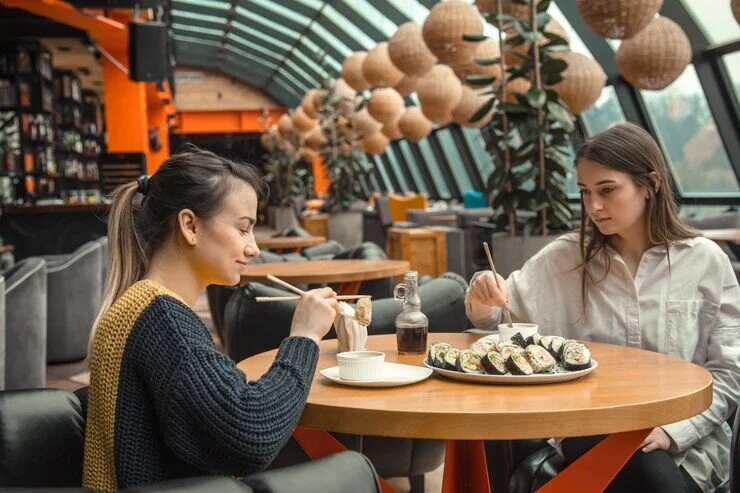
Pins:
<point x="526" y="330"/>
<point x="361" y="365"/>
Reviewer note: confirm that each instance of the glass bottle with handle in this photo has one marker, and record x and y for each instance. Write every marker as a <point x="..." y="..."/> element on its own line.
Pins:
<point x="412" y="326"/>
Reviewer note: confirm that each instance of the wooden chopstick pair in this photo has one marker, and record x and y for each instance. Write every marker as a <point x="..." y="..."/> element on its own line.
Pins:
<point x="507" y="315"/>
<point x="262" y="299"/>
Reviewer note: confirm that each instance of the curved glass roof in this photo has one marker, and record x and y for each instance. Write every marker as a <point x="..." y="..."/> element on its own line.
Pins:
<point x="274" y="44"/>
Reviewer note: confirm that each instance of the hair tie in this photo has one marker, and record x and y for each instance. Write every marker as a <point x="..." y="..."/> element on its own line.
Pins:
<point x="143" y="182"/>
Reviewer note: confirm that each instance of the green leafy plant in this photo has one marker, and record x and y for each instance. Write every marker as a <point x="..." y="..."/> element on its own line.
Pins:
<point x="285" y="176"/>
<point x="531" y="137"/>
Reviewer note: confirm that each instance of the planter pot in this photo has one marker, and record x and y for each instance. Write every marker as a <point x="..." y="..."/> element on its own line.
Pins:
<point x="511" y="252"/>
<point x="346" y="228"/>
<point x="285" y="218"/>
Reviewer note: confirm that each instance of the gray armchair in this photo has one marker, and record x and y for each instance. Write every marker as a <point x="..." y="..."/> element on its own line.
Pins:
<point x="103" y="241"/>
<point x="25" y="324"/>
<point x="73" y="300"/>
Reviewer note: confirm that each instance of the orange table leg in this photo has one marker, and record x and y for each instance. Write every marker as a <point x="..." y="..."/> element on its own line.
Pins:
<point x="319" y="443"/>
<point x="595" y="469"/>
<point x="349" y="288"/>
<point x="465" y="467"/>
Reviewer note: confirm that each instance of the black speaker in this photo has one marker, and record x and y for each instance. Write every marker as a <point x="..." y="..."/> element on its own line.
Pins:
<point x="147" y="51"/>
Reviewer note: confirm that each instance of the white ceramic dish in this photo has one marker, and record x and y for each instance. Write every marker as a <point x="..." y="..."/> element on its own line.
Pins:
<point x="360" y="365"/>
<point x="393" y="375"/>
<point x="537" y="378"/>
<point x="526" y="330"/>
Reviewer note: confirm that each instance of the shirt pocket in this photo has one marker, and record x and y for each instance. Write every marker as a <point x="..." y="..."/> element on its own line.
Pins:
<point x="688" y="325"/>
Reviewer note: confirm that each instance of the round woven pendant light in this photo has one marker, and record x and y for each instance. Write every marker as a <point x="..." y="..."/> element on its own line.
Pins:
<point x="469" y="104"/>
<point x="414" y="125"/>
<point x="516" y="86"/>
<point x="285" y="125"/>
<point x="407" y="85"/>
<point x="311" y="110"/>
<point x="408" y="51"/>
<point x="445" y="26"/>
<point x="439" y="91"/>
<point x="385" y="104"/>
<point x="352" y="71"/>
<point x="736" y="10"/>
<point x="378" y="69"/>
<point x="364" y="124"/>
<point x="487" y="49"/>
<point x="345" y="149"/>
<point x="301" y="121"/>
<point x="286" y="145"/>
<point x="551" y="27"/>
<point x="347" y="95"/>
<point x="315" y="138"/>
<point x="656" y="56"/>
<point x="391" y="130"/>
<point x="618" y="19"/>
<point x="489" y="7"/>
<point x="318" y="99"/>
<point x="582" y="82"/>
<point x="266" y="141"/>
<point x="375" y="144"/>
<point x="308" y="155"/>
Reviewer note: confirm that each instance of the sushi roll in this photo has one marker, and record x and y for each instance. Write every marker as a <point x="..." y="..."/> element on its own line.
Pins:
<point x="469" y="362"/>
<point x="518" y="365"/>
<point x="555" y="345"/>
<point x="562" y="348"/>
<point x="536" y="339"/>
<point x="450" y="358"/>
<point x="576" y="357"/>
<point x="539" y="359"/>
<point x="507" y="351"/>
<point x="518" y="339"/>
<point x="494" y="363"/>
<point x="436" y="353"/>
<point x="481" y="348"/>
<point x="545" y="342"/>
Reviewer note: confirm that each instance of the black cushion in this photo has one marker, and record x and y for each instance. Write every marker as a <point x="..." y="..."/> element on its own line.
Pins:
<point x="288" y="232"/>
<point x="326" y="250"/>
<point x="379" y="288"/>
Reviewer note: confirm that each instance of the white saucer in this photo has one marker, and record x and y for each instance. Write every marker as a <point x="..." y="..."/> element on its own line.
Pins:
<point x="394" y="375"/>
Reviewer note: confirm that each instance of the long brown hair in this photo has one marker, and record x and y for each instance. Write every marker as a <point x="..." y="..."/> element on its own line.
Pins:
<point x="140" y="223"/>
<point x="630" y="149"/>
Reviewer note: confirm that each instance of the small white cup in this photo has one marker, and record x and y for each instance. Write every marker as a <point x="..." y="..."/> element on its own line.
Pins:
<point x="361" y="365"/>
<point x="506" y="332"/>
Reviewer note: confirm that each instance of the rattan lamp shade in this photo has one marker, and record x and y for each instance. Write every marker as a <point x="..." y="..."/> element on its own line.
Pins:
<point x="308" y="103"/>
<point x="375" y="144"/>
<point x="266" y="141"/>
<point x="582" y="82"/>
<point x="414" y="125"/>
<point x="352" y="71"/>
<point x="736" y="10"/>
<point x="364" y="124"/>
<point x="347" y="94"/>
<point x="407" y="85"/>
<point x="318" y="99"/>
<point x="439" y="91"/>
<point x="285" y="125"/>
<point x="618" y="19"/>
<point x="469" y="103"/>
<point x="656" y="56"/>
<point x="385" y="104"/>
<point x="391" y="130"/>
<point x="515" y="86"/>
<point x="301" y="121"/>
<point x="445" y="26"/>
<point x="307" y="154"/>
<point x="408" y="51"/>
<point x="488" y="7"/>
<point x="378" y="69"/>
<point x="315" y="138"/>
<point x="551" y="27"/>
<point x="487" y="49"/>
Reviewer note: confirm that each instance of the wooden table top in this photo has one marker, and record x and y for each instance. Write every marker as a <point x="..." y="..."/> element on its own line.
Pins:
<point x="732" y="235"/>
<point x="290" y="241"/>
<point x="631" y="389"/>
<point x="325" y="271"/>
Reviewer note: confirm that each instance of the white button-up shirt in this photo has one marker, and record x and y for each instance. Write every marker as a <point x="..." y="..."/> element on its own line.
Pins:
<point x="690" y="310"/>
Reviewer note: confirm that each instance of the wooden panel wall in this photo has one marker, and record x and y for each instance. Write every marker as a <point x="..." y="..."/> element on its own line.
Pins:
<point x="200" y="90"/>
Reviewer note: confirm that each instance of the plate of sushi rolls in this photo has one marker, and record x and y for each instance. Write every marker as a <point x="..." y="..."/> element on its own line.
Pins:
<point x="534" y="360"/>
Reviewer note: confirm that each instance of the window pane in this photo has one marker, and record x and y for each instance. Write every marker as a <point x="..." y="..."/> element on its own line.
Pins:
<point x="576" y="44"/>
<point x="348" y="28"/>
<point x="383" y="173"/>
<point x="184" y="14"/>
<point x="379" y="21"/>
<point x="477" y="145"/>
<point x="411" y="9"/>
<point x="408" y="156"/>
<point x="715" y="19"/>
<point x="459" y="172"/>
<point x="689" y="136"/>
<point x="732" y="62"/>
<point x="605" y="113"/>
<point x="397" y="169"/>
<point x="208" y="3"/>
<point x="431" y="162"/>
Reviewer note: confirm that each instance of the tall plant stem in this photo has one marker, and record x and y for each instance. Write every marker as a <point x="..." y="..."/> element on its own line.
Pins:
<point x="504" y="116"/>
<point x="540" y="117"/>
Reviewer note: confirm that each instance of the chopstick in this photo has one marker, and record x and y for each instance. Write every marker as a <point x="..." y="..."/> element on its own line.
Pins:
<point x="263" y="299"/>
<point x="495" y="276"/>
<point x="284" y="284"/>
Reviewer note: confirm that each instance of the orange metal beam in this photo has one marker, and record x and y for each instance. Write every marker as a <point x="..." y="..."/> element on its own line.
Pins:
<point x="216" y="122"/>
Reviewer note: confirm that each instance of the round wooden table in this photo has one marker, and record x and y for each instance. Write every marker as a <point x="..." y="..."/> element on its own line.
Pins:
<point x="632" y="389"/>
<point x="349" y="273"/>
<point x="289" y="242"/>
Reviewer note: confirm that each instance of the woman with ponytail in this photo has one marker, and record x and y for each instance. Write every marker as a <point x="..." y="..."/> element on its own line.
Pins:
<point x="163" y="402"/>
<point x="635" y="275"/>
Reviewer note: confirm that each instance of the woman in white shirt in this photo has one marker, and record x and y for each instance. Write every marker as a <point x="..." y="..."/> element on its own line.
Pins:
<point x="635" y="275"/>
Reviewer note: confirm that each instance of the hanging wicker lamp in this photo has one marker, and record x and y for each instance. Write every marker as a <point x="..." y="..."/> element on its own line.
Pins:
<point x="352" y="71"/>
<point x="408" y="51"/>
<point x="488" y="7"/>
<point x="378" y="68"/>
<point x="315" y="138"/>
<point x="311" y="110"/>
<point x="656" y="56"/>
<point x="407" y="85"/>
<point x="736" y="10"/>
<point x="439" y="91"/>
<point x="469" y="103"/>
<point x="375" y="144"/>
<point x="285" y="125"/>
<point x="364" y="124"/>
<point x="487" y="49"/>
<point x="551" y="27"/>
<point x="582" y="82"/>
<point x="308" y="155"/>
<point x="347" y="95"/>
<point x="445" y="26"/>
<point x="317" y="100"/>
<point x="414" y="125"/>
<point x="516" y="86"/>
<point x="618" y="19"/>
<point x="302" y="122"/>
<point x="266" y="141"/>
<point x="385" y="104"/>
<point x="391" y="130"/>
<point x="286" y="145"/>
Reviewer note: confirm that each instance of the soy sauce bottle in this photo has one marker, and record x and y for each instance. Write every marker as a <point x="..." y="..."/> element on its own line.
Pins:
<point x="412" y="326"/>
